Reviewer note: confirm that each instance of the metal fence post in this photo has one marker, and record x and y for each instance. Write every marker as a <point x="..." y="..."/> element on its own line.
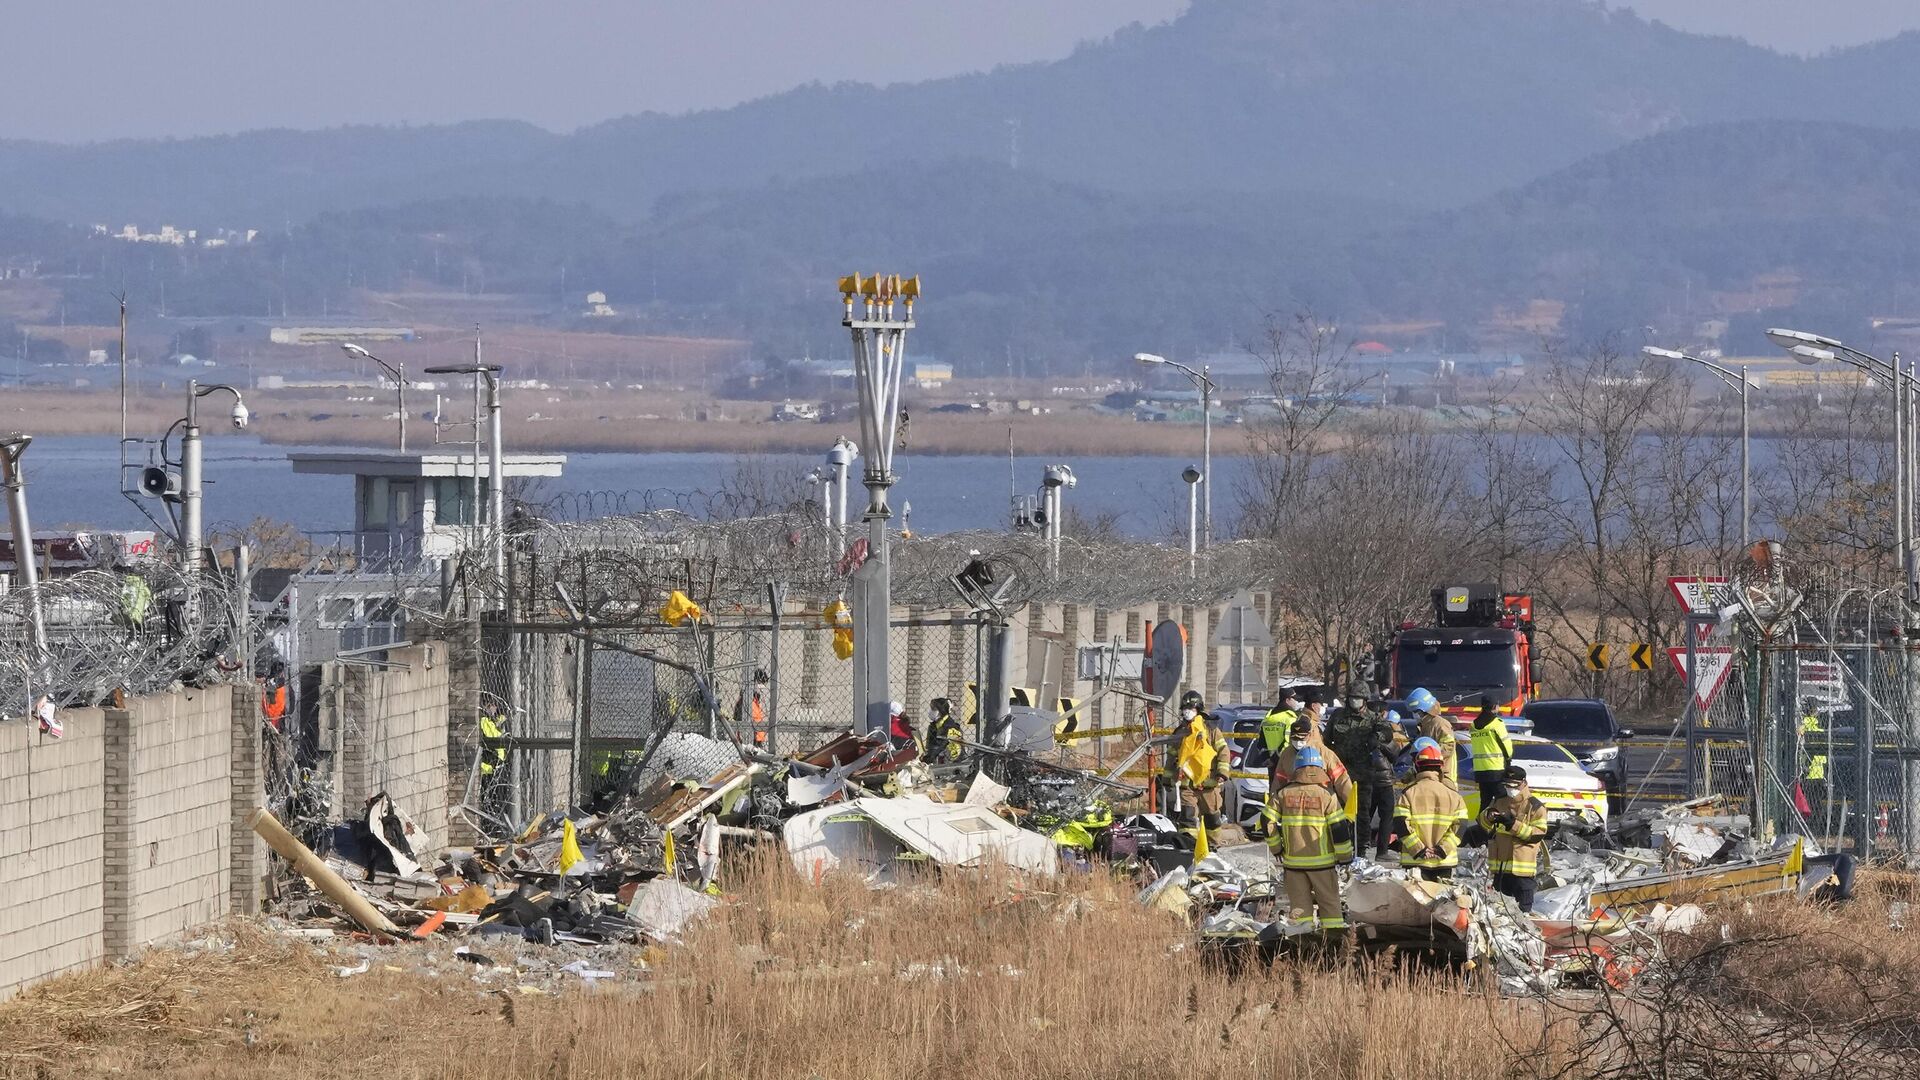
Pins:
<point x="776" y="606"/>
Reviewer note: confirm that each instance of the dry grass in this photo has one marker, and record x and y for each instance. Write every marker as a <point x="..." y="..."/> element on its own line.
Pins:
<point x="974" y="975"/>
<point x="1769" y="988"/>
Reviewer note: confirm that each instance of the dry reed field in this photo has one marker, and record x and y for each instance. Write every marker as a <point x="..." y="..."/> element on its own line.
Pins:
<point x="966" y="976"/>
<point x="978" y="975"/>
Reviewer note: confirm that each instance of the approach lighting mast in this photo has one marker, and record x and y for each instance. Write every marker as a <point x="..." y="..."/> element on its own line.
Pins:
<point x="878" y="310"/>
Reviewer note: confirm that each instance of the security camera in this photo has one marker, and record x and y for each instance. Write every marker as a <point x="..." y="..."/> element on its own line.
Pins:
<point x="158" y="483"/>
<point x="239" y="414"/>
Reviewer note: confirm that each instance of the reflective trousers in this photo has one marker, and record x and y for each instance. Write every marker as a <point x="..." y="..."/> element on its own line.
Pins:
<point x="1313" y="898"/>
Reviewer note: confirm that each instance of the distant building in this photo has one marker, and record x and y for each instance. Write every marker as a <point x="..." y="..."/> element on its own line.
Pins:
<point x="335" y="335"/>
<point x="597" y="306"/>
<point x="931" y="375"/>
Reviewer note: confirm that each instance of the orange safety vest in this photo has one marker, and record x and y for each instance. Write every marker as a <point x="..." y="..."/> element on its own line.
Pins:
<point x="759" y="720"/>
<point x="275" y="705"/>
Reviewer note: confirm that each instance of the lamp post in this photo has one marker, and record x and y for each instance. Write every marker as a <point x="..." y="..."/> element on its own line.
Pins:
<point x="1738" y="380"/>
<point x="397" y="372"/>
<point x="1203" y="383"/>
<point x="1192" y="476"/>
<point x="879" y="355"/>
<point x="489" y="375"/>
<point x="25" y="568"/>
<point x="1054" y="480"/>
<point x="191" y="539"/>
<point x="1818" y="349"/>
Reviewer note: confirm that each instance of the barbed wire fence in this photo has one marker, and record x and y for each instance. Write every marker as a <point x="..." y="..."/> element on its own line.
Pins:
<point x="138" y="630"/>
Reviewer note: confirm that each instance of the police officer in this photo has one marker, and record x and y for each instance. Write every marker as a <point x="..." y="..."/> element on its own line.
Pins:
<point x="1279" y="720"/>
<point x="1492" y="752"/>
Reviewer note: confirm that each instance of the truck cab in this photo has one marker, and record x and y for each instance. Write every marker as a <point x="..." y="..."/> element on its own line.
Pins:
<point x="1480" y="645"/>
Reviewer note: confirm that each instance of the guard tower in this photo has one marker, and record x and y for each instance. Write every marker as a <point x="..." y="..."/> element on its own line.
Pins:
<point x="419" y="506"/>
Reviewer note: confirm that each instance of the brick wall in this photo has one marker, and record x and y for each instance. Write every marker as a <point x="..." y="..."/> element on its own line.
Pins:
<point x="178" y="824"/>
<point x="52" y="802"/>
<point x="393" y="735"/>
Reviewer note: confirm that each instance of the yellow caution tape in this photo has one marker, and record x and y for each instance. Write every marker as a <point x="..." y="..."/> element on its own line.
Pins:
<point x="1098" y="732"/>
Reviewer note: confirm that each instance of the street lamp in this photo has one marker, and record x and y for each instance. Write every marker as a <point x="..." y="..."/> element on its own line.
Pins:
<point x="190" y="486"/>
<point x="1203" y="382"/>
<point x="397" y="372"/>
<point x="1819" y="349"/>
<point x="1738" y="380"/>
<point x="1192" y="476"/>
<point x="487" y="376"/>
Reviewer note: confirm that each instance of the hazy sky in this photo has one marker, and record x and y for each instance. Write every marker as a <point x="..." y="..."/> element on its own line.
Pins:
<point x="89" y="69"/>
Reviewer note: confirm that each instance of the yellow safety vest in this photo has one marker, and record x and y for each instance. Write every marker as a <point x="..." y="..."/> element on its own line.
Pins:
<point x="1492" y="746"/>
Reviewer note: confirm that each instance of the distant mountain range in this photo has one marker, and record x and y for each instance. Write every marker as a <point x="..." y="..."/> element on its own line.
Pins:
<point x="1424" y="102"/>
<point x="1379" y="159"/>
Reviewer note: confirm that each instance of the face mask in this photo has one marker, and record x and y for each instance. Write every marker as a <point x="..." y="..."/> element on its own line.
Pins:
<point x="1188" y="714"/>
<point x="1512" y="792"/>
<point x="1299" y="744"/>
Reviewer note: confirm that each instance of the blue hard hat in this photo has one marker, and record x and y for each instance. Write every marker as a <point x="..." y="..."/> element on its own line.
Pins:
<point x="1422" y="743"/>
<point x="1422" y="700"/>
<point x="1393" y="716"/>
<point x="1308" y="755"/>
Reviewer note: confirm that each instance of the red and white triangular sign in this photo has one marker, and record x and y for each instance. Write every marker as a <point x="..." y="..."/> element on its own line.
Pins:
<point x="1714" y="663"/>
<point x="1698" y="594"/>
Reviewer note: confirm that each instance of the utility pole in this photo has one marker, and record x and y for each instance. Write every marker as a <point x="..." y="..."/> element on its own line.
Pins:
<point x="879" y="354"/>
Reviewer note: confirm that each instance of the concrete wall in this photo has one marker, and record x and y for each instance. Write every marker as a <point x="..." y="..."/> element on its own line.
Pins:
<point x="392" y="731"/>
<point x="178" y="819"/>
<point x="130" y="829"/>
<point x="52" y="804"/>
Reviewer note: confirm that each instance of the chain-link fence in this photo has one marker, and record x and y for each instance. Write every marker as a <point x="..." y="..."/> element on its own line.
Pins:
<point x="776" y="686"/>
<point x="1815" y="730"/>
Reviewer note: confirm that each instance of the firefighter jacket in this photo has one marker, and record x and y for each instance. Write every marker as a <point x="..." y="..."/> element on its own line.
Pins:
<point x="1430" y="817"/>
<point x="1515" y="848"/>
<point x="1492" y="746"/>
<point x="1307" y="826"/>
<point x="1440" y="730"/>
<point x="1337" y="779"/>
<point x="1200" y="760"/>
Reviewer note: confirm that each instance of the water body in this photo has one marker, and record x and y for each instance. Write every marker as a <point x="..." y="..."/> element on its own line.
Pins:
<point x="73" y="481"/>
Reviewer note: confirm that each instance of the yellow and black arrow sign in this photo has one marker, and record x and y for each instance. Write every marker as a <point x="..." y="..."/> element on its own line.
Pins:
<point x="1639" y="655"/>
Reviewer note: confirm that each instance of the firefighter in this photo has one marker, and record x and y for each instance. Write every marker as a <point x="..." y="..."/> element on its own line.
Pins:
<point x="1429" y="722"/>
<point x="1813" y="782"/>
<point x="1309" y="834"/>
<point x="493" y="743"/>
<point x="1430" y="817"/>
<point x="1492" y="752"/>
<point x="1517" y="823"/>
<point x="944" y="733"/>
<point x="1305" y="736"/>
<point x="1198" y="765"/>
